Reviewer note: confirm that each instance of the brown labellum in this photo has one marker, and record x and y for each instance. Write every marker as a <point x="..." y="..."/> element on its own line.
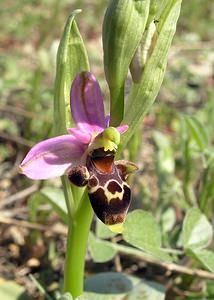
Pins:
<point x="108" y="191"/>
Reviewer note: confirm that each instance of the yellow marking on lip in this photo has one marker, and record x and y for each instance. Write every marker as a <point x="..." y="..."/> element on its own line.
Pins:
<point x="116" y="228"/>
<point x="109" y="195"/>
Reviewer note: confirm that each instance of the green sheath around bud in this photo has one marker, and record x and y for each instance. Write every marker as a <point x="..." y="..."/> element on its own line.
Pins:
<point x="123" y="27"/>
<point x="71" y="46"/>
<point x="144" y="92"/>
<point x="143" y="52"/>
<point x="146" y="45"/>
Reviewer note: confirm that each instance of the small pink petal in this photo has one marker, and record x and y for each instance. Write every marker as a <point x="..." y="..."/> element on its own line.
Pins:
<point x="122" y="129"/>
<point x="82" y="136"/>
<point x="51" y="158"/>
<point x="86" y="103"/>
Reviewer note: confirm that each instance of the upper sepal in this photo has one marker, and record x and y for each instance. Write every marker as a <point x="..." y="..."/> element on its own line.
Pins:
<point x="86" y="102"/>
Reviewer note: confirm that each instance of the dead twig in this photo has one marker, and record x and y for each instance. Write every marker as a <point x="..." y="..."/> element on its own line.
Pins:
<point x="20" y="195"/>
<point x="168" y="266"/>
<point x="16" y="139"/>
<point x="26" y="224"/>
<point x="22" y="112"/>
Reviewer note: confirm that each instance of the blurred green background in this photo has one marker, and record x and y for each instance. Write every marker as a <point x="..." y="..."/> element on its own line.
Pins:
<point x="173" y="157"/>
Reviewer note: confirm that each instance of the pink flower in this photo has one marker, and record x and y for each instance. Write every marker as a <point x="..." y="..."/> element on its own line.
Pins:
<point x="53" y="157"/>
<point x="86" y="154"/>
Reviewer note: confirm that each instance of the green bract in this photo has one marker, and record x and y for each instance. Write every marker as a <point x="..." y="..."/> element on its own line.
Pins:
<point x="71" y="60"/>
<point x="123" y="27"/>
<point x="143" y="93"/>
<point x="143" y="51"/>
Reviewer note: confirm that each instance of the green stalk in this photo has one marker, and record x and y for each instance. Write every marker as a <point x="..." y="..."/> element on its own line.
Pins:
<point x="72" y="59"/>
<point x="187" y="187"/>
<point x="117" y="106"/>
<point x="68" y="194"/>
<point x="78" y="230"/>
<point x="204" y="194"/>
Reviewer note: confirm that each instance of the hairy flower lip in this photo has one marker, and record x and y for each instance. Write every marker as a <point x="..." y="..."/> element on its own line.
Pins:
<point x="53" y="157"/>
<point x="98" y="153"/>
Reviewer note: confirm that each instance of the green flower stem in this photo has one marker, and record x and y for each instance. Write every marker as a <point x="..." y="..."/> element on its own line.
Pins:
<point x="204" y="194"/>
<point x="78" y="230"/>
<point x="68" y="194"/>
<point x="117" y="106"/>
<point x="71" y="59"/>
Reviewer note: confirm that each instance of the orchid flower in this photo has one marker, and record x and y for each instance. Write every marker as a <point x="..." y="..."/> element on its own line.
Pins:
<point x="87" y="149"/>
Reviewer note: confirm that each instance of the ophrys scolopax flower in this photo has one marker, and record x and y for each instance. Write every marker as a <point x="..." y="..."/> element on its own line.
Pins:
<point x="86" y="154"/>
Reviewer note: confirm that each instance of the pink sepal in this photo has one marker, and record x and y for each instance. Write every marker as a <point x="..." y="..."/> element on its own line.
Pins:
<point x="50" y="158"/>
<point x="86" y="102"/>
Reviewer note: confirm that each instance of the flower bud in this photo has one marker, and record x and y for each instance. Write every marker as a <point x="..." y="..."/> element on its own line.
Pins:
<point x="143" y="52"/>
<point x="146" y="45"/>
<point x="123" y="27"/>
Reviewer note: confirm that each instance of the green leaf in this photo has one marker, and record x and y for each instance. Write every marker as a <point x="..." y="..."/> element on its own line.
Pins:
<point x="116" y="286"/>
<point x="33" y="203"/>
<point x="66" y="296"/>
<point x="197" y="232"/>
<point x="165" y="159"/>
<point x="142" y="231"/>
<point x="143" y="94"/>
<point x="141" y="228"/>
<point x="168" y="219"/>
<point x="197" y="132"/>
<point x="101" y="251"/>
<point x="71" y="59"/>
<point x="10" y="290"/>
<point x="210" y="287"/>
<point x="123" y="27"/>
<point x="205" y="257"/>
<point x="147" y="291"/>
<point x="56" y="198"/>
<point x="207" y="188"/>
<point x="102" y="231"/>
